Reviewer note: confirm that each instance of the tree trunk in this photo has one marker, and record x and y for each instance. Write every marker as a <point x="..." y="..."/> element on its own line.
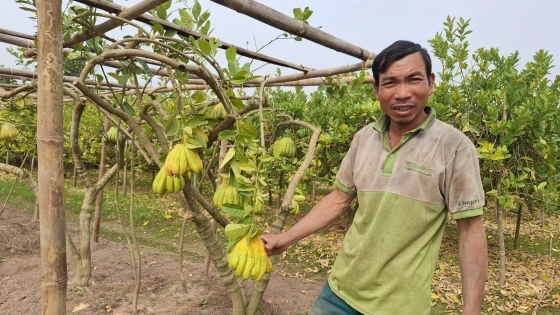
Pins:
<point x="50" y="156"/>
<point x="518" y="227"/>
<point x="501" y="243"/>
<point x="99" y="201"/>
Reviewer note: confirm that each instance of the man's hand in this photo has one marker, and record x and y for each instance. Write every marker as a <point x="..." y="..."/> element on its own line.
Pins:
<point x="473" y="262"/>
<point x="275" y="243"/>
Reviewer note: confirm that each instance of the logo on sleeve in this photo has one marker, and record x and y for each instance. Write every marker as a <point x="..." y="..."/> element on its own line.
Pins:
<point x="467" y="202"/>
<point x="419" y="169"/>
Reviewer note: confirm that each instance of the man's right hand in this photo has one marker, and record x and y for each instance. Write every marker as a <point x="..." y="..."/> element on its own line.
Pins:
<point x="275" y="243"/>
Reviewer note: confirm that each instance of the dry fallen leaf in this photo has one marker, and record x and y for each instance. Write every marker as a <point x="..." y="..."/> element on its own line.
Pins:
<point x="80" y="307"/>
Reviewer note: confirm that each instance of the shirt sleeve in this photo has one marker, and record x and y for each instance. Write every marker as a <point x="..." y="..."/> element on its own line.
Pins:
<point x="464" y="195"/>
<point x="345" y="176"/>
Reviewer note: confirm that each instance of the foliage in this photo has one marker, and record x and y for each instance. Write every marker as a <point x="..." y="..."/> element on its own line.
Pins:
<point x="511" y="115"/>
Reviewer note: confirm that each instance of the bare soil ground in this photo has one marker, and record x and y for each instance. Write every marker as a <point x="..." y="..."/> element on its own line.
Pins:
<point x="161" y="291"/>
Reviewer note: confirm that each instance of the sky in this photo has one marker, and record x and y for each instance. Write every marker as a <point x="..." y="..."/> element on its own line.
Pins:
<point x="525" y="26"/>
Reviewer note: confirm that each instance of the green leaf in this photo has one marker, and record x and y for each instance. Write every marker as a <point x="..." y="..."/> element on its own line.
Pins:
<point x="204" y="46"/>
<point x="229" y="155"/>
<point x="161" y="11"/>
<point x="234" y="165"/>
<point x="157" y="28"/>
<point x="226" y="135"/>
<point x="144" y="66"/>
<point x="170" y="32"/>
<point x="196" y="121"/>
<point x="233" y="230"/>
<point x="196" y="9"/>
<point x="128" y="109"/>
<point x="203" y="18"/>
<point x="186" y="19"/>
<point x="235" y="211"/>
<point x="172" y="126"/>
<point x="198" y="97"/>
<point x="231" y="54"/>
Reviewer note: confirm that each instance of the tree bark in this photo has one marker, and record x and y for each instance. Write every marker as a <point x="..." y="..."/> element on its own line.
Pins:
<point x="99" y="199"/>
<point x="50" y="156"/>
<point x="517" y="226"/>
<point x="501" y="243"/>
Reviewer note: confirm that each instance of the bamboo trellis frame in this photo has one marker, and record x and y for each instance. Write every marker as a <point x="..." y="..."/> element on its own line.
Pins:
<point x="306" y="77"/>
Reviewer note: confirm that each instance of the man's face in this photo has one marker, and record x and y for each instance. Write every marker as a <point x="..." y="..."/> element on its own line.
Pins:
<point x="403" y="91"/>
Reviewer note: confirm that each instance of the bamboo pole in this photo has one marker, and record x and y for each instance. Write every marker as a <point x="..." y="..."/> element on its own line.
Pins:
<point x="285" y="23"/>
<point x="50" y="152"/>
<point x="17" y="34"/>
<point x="147" y="19"/>
<point x="35" y="75"/>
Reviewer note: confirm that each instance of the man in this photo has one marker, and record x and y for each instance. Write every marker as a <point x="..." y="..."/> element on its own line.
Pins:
<point x="408" y="170"/>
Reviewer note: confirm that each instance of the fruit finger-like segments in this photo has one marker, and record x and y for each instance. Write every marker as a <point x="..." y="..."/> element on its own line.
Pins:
<point x="263" y="268"/>
<point x="241" y="264"/>
<point x="180" y="184"/>
<point x="159" y="184"/>
<point x="268" y="265"/>
<point x="170" y="184"/>
<point x="249" y="265"/>
<point x="233" y="259"/>
<point x="193" y="160"/>
<point x="168" y="165"/>
<point x="257" y="267"/>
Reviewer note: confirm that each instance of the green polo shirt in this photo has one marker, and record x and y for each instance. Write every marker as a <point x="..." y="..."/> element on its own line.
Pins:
<point x="388" y="257"/>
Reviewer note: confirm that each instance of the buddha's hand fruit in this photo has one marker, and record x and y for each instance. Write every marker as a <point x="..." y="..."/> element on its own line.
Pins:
<point x="284" y="147"/>
<point x="249" y="260"/>
<point x="8" y="131"/>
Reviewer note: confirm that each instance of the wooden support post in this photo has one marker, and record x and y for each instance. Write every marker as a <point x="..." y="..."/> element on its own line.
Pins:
<point x="50" y="153"/>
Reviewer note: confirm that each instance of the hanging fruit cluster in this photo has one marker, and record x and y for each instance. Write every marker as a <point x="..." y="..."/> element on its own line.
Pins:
<point x="113" y="136"/>
<point x="284" y="147"/>
<point x="8" y="131"/>
<point x="180" y="161"/>
<point x="249" y="259"/>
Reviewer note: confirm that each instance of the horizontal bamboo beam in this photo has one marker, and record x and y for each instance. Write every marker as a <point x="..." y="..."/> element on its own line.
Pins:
<point x="147" y="19"/>
<point x="16" y="41"/>
<point x="288" y="24"/>
<point x="34" y="75"/>
<point x="17" y="34"/>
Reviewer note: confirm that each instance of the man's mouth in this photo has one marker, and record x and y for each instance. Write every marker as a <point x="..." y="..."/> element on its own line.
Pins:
<point x="403" y="109"/>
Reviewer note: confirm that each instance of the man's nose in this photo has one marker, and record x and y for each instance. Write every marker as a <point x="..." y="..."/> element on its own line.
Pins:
<point x="402" y="91"/>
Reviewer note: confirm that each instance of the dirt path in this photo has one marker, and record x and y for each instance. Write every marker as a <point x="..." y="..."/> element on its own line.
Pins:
<point x="161" y="291"/>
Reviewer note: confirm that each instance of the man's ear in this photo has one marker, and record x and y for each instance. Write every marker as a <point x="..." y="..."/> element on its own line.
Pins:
<point x="375" y="89"/>
<point x="432" y="79"/>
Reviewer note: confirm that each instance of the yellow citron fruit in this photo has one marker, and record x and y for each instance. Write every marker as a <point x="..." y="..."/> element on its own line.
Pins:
<point x="8" y="131"/>
<point x="227" y="194"/>
<point x="182" y="159"/>
<point x="284" y="147"/>
<point x="201" y="133"/>
<point x="218" y="112"/>
<point x="249" y="260"/>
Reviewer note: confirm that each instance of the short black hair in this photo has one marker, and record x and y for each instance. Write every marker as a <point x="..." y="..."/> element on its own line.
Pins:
<point x="395" y="52"/>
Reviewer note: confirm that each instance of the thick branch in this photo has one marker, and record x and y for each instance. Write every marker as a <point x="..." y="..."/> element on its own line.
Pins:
<point x="74" y="136"/>
<point x="229" y="121"/>
<point x="110" y="24"/>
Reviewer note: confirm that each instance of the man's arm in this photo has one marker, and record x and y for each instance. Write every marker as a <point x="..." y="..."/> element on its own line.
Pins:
<point x="473" y="262"/>
<point x="323" y="213"/>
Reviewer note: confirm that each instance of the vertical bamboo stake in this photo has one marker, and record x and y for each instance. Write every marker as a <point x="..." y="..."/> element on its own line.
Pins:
<point x="99" y="200"/>
<point x="50" y="153"/>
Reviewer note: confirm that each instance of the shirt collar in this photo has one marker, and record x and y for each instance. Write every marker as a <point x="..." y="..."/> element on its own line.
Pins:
<point x="383" y="122"/>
